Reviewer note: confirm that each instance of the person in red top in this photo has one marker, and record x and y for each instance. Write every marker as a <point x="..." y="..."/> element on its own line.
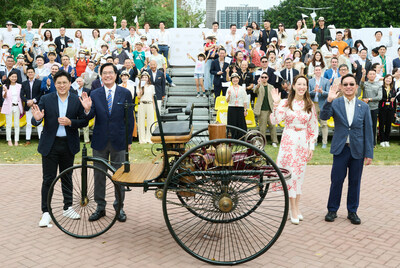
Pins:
<point x="81" y="63"/>
<point x="256" y="54"/>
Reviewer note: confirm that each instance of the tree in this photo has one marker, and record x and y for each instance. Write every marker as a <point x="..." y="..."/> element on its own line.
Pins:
<point x="343" y="14"/>
<point x="97" y="13"/>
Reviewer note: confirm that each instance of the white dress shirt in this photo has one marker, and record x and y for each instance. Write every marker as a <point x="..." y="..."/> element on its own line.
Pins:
<point x="350" y="106"/>
<point x="113" y="88"/>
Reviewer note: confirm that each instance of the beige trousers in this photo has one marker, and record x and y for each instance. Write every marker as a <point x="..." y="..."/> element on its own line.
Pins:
<point x="323" y="123"/>
<point x="263" y="120"/>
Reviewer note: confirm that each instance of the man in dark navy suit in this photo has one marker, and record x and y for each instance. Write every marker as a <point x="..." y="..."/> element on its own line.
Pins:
<point x="132" y="70"/>
<point x="158" y="80"/>
<point x="108" y="140"/>
<point x="30" y="94"/>
<point x="63" y="115"/>
<point x="352" y="145"/>
<point x="66" y="66"/>
<point x="219" y="74"/>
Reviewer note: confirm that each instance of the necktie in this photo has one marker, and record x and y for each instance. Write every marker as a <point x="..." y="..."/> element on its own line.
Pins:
<point x="109" y="101"/>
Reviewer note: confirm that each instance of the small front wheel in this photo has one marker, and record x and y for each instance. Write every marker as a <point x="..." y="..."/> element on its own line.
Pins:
<point x="71" y="201"/>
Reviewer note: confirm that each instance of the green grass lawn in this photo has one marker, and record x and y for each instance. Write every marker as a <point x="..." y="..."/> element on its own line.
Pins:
<point x="142" y="153"/>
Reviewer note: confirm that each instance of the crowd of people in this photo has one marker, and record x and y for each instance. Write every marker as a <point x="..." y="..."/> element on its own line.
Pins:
<point x="285" y="78"/>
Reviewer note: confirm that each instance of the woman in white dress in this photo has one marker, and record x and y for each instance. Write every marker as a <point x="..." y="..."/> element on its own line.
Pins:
<point x="326" y="51"/>
<point x="298" y="138"/>
<point x="317" y="60"/>
<point x="297" y="63"/>
<point x="79" y="42"/>
<point x="299" y="31"/>
<point x="145" y="92"/>
<point x="94" y="45"/>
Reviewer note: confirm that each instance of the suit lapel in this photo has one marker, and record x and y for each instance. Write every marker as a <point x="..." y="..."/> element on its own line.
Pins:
<point x="342" y="109"/>
<point x="67" y="114"/>
<point x="103" y="99"/>
<point x="56" y="102"/>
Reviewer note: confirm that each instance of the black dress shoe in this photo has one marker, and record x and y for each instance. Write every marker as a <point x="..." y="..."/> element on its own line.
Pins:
<point x="97" y="215"/>
<point x="121" y="216"/>
<point x="352" y="216"/>
<point x="331" y="216"/>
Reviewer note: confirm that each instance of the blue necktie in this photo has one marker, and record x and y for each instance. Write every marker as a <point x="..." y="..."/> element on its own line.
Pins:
<point x="109" y="101"/>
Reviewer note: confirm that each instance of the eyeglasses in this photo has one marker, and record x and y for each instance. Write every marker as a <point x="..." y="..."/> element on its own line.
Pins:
<point x="108" y="73"/>
<point x="349" y="84"/>
<point x="264" y="77"/>
<point x="281" y="25"/>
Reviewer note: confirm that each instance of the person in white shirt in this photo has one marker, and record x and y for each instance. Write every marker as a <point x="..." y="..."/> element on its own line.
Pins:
<point x="199" y="68"/>
<point x="41" y="71"/>
<point x="236" y="97"/>
<point x="3" y="55"/>
<point x="379" y="42"/>
<point x="145" y="92"/>
<point x="8" y="36"/>
<point x="231" y="40"/>
<point x="213" y="32"/>
<point x="163" y="40"/>
<point x="384" y="61"/>
<point x="149" y="36"/>
<point x="132" y="38"/>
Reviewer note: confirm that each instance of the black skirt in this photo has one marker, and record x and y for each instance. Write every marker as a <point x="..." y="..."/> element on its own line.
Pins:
<point x="236" y="118"/>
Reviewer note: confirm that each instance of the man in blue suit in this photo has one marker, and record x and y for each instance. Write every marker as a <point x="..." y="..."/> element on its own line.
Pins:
<point x="66" y="66"/>
<point x="219" y="74"/>
<point x="352" y="145"/>
<point x="108" y="140"/>
<point x="319" y="89"/>
<point x="332" y="73"/>
<point x="63" y="115"/>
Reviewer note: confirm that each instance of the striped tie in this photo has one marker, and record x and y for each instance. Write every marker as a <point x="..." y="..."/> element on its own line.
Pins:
<point x="109" y="101"/>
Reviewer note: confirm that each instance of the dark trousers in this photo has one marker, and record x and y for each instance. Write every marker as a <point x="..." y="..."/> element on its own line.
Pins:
<point x="163" y="49"/>
<point x="374" y="117"/>
<point x="218" y="90"/>
<point x="236" y="118"/>
<point x="61" y="158"/>
<point x="341" y="163"/>
<point x="116" y="158"/>
<point x="386" y="116"/>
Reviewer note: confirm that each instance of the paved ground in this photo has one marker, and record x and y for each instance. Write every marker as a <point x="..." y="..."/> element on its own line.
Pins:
<point x="144" y="241"/>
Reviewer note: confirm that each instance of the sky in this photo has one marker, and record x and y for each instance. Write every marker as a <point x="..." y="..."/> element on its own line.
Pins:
<point x="264" y="4"/>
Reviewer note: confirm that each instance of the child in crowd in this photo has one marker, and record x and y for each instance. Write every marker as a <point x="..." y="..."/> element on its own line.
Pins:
<point x="139" y="57"/>
<point x="199" y="72"/>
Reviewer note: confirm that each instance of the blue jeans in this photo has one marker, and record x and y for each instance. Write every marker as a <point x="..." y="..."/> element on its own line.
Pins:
<point x="163" y="49"/>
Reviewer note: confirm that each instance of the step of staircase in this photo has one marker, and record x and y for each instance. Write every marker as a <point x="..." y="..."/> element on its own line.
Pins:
<point x="181" y="71"/>
<point x="182" y="101"/>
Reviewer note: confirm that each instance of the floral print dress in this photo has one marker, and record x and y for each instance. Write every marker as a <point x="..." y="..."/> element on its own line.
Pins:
<point x="299" y="136"/>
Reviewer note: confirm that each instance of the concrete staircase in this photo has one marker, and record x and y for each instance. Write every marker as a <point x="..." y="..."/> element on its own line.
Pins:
<point x="185" y="92"/>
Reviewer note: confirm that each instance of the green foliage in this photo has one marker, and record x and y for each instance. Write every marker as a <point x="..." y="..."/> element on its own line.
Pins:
<point x="97" y="13"/>
<point x="343" y="14"/>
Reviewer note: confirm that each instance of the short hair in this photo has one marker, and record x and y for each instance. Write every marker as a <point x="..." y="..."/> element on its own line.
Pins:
<point x="339" y="32"/>
<point x="51" y="53"/>
<point x="62" y="73"/>
<point x="161" y="22"/>
<point x="383" y="46"/>
<point x="344" y="66"/>
<point x="366" y="50"/>
<point x="267" y="20"/>
<point x="334" y="58"/>
<point x="265" y="74"/>
<point x="215" y="22"/>
<point x="39" y="57"/>
<point x="398" y="49"/>
<point x="263" y="58"/>
<point x="233" y="24"/>
<point x="110" y="57"/>
<point x="108" y="64"/>
<point x="146" y="23"/>
<point x="10" y="57"/>
<point x="30" y="68"/>
<point x="132" y="27"/>
<point x="64" y="56"/>
<point x="249" y="27"/>
<point x="222" y="49"/>
<point x="395" y="70"/>
<point x="373" y="66"/>
<point x="378" y="32"/>
<point x="371" y="70"/>
<point x="288" y="59"/>
<point x="347" y="76"/>
<point x="375" y="50"/>
<point x="317" y="66"/>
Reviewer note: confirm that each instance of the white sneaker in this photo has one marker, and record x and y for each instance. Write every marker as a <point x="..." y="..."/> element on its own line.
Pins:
<point x="45" y="220"/>
<point x="172" y="85"/>
<point x="71" y="213"/>
<point x="274" y="145"/>
<point x="383" y="144"/>
<point x="387" y="144"/>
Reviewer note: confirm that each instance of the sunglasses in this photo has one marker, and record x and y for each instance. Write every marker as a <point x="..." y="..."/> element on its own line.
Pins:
<point x="349" y="84"/>
<point x="264" y="77"/>
<point x="264" y="61"/>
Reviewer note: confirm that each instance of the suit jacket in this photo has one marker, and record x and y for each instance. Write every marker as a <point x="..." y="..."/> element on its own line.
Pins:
<point x="396" y="63"/>
<point x="110" y="128"/>
<point x="272" y="78"/>
<point x="19" y="76"/>
<point x="26" y="92"/>
<point x="96" y="83"/>
<point x="89" y="78"/>
<point x="75" y="112"/>
<point x="360" y="131"/>
<point x="52" y="87"/>
<point x="266" y="39"/>
<point x="329" y="73"/>
<point x="70" y="68"/>
<point x="261" y="94"/>
<point x="76" y="91"/>
<point x="46" y="59"/>
<point x="133" y="73"/>
<point x="60" y="47"/>
<point x="7" y="103"/>
<point x="159" y="84"/>
<point x="325" y="85"/>
<point x="215" y="68"/>
<point x="294" y="72"/>
<point x="368" y="65"/>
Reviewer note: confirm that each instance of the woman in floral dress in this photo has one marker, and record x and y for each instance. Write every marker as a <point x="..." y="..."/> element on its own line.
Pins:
<point x="298" y="137"/>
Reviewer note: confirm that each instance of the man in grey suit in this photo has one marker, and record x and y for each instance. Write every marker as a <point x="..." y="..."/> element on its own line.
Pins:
<point x="352" y="145"/>
<point x="319" y="89"/>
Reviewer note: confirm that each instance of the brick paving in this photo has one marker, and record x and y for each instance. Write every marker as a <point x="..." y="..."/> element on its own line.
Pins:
<point x="144" y="241"/>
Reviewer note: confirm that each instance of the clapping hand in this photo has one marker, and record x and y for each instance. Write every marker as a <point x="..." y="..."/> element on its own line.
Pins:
<point x="332" y="93"/>
<point x="37" y="114"/>
<point x="276" y="95"/>
<point x="64" y="121"/>
<point x="86" y="102"/>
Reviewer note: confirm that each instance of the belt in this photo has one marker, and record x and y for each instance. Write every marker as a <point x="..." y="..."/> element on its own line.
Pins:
<point x="146" y="102"/>
<point x="348" y="144"/>
<point x="61" y="138"/>
<point x="15" y="104"/>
